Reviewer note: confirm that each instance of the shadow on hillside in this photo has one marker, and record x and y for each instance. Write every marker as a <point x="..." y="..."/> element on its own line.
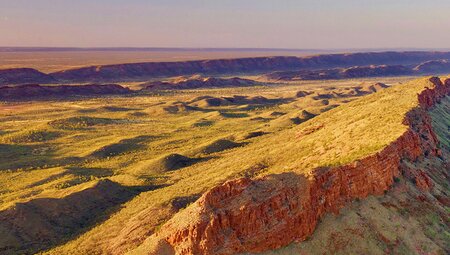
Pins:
<point x="44" y="223"/>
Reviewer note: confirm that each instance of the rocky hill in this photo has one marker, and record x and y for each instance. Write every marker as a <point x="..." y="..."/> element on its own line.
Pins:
<point x="23" y="76"/>
<point x="33" y="91"/>
<point x="340" y="73"/>
<point x="434" y="66"/>
<point x="425" y="68"/>
<point x="194" y="83"/>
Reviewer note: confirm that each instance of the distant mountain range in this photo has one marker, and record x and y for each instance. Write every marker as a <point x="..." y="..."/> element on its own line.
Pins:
<point x="410" y="63"/>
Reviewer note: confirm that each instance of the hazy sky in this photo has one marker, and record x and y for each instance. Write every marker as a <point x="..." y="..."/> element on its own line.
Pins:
<point x="226" y="23"/>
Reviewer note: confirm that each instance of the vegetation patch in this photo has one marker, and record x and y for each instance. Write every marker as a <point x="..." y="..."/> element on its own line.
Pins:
<point x="31" y="136"/>
<point x="203" y="123"/>
<point x="182" y="202"/>
<point x="166" y="164"/>
<point x="441" y="122"/>
<point x="122" y="147"/>
<point x="116" y="109"/>
<point x="254" y="134"/>
<point x="220" y="145"/>
<point x="74" y="123"/>
<point x="234" y="114"/>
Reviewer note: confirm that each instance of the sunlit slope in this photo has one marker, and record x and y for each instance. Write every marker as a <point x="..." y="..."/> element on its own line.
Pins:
<point x="366" y="226"/>
<point x="339" y="136"/>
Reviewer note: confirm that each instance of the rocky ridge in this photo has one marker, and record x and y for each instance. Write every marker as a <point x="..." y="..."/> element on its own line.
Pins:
<point x="33" y="91"/>
<point x="23" y="75"/>
<point x="235" y="217"/>
<point x="195" y="83"/>
<point x="326" y="66"/>
<point x="340" y="73"/>
<point x="143" y="71"/>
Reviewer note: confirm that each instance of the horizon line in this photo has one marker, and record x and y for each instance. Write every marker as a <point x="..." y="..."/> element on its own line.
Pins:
<point x="126" y="48"/>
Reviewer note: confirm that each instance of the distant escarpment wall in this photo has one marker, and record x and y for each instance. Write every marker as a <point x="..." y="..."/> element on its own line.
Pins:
<point x="34" y="91"/>
<point x="142" y="71"/>
<point x="255" y="215"/>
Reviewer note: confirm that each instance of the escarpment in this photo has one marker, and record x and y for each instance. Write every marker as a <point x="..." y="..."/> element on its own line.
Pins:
<point x="254" y="215"/>
<point x="142" y="71"/>
<point x="325" y="66"/>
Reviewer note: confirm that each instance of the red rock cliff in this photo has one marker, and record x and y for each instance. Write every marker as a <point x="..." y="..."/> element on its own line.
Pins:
<point x="247" y="215"/>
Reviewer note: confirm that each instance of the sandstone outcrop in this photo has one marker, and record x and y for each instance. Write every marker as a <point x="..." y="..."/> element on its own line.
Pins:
<point x="254" y="215"/>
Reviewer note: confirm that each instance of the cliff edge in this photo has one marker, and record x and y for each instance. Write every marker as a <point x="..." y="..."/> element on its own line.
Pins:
<point x="268" y="212"/>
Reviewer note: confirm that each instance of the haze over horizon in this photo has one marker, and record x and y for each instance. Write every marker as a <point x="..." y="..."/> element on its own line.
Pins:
<point x="304" y="24"/>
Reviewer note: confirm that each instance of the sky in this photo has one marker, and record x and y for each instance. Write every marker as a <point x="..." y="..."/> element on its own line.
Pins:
<point x="294" y="24"/>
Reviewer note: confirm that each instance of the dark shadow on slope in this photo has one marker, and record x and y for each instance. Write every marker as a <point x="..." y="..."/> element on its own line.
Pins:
<point x="30" y="157"/>
<point x="44" y="223"/>
<point x="122" y="147"/>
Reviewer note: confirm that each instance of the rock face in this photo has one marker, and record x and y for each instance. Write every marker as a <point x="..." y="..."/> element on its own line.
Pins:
<point x="246" y="215"/>
<point x="209" y="82"/>
<point x="37" y="91"/>
<point x="23" y="76"/>
<point x="142" y="71"/>
<point x="430" y="96"/>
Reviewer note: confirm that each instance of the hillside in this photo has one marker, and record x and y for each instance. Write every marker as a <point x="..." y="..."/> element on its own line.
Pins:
<point x="195" y="83"/>
<point x="426" y="68"/>
<point x="59" y="147"/>
<point x="23" y="76"/>
<point x="436" y="66"/>
<point x="340" y="73"/>
<point x="34" y="91"/>
<point x="320" y="164"/>
<point x="296" y="190"/>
